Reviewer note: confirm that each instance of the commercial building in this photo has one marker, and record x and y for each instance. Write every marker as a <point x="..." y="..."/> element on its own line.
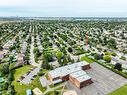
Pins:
<point x="80" y="79"/>
<point x="74" y="73"/>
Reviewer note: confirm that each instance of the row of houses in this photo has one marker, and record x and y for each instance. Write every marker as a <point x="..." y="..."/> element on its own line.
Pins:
<point x="75" y="73"/>
<point x="20" y="57"/>
<point x="6" y="47"/>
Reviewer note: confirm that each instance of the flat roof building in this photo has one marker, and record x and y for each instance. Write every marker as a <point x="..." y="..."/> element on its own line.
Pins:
<point x="80" y="79"/>
<point x="70" y="72"/>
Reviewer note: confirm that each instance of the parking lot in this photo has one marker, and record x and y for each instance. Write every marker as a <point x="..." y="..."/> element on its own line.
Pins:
<point x="104" y="81"/>
<point x="30" y="76"/>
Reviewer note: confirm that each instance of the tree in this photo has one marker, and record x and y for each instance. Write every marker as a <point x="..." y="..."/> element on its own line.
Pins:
<point x="107" y="58"/>
<point x="123" y="58"/>
<point x="48" y="57"/>
<point x="118" y="66"/>
<point x="12" y="48"/>
<point x="1" y="48"/>
<point x="125" y="52"/>
<point x="36" y="50"/>
<point x="11" y="58"/>
<point x="105" y="40"/>
<point x="4" y="69"/>
<point x="5" y="86"/>
<point x="112" y="43"/>
<point x="10" y="76"/>
<point x="11" y="88"/>
<point x="70" y="49"/>
<point x="113" y="54"/>
<point x="59" y="56"/>
<point x="97" y="56"/>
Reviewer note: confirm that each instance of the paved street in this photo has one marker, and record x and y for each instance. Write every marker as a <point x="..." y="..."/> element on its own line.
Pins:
<point x="39" y="44"/>
<point x="105" y="81"/>
<point x="32" y="60"/>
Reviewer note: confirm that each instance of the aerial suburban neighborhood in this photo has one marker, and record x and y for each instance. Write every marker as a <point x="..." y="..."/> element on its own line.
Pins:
<point x="63" y="56"/>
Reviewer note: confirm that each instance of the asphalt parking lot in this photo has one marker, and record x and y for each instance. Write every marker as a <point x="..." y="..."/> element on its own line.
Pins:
<point x="104" y="81"/>
<point x="28" y="78"/>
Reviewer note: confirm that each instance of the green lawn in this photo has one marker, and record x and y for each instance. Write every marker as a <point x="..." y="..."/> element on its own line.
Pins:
<point x="120" y="91"/>
<point x="21" y="88"/>
<point x="21" y="71"/>
<point x="87" y="59"/>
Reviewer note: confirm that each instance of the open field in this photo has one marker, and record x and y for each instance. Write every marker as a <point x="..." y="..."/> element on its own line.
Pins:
<point x="1" y="22"/>
<point x="4" y="22"/>
<point x="104" y="82"/>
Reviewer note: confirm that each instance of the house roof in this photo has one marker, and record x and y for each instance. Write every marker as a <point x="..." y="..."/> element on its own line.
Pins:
<point x="29" y="92"/>
<point x="70" y="92"/>
<point x="37" y="91"/>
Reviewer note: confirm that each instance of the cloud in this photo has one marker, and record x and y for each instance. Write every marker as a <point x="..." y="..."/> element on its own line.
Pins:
<point x="63" y="7"/>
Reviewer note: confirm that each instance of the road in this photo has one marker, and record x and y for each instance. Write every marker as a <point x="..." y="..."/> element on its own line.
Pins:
<point x="32" y="60"/>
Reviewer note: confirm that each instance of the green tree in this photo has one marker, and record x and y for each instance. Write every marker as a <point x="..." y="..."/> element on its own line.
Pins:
<point x="4" y="69"/>
<point x="1" y="48"/>
<point x="10" y="76"/>
<point x="107" y="58"/>
<point x="5" y="86"/>
<point x="48" y="57"/>
<point x="97" y="56"/>
<point x="113" y="54"/>
<point x="112" y="43"/>
<point x="59" y="56"/>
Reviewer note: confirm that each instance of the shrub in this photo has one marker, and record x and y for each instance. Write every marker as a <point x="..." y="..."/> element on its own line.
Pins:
<point x="70" y="49"/>
<point x="107" y="58"/>
<point x="123" y="58"/>
<point x="113" y="54"/>
<point x="41" y="73"/>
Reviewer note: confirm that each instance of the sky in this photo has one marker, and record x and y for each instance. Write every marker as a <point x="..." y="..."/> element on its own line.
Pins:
<point x="64" y="8"/>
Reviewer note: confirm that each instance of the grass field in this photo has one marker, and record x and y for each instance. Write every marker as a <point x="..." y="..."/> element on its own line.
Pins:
<point x="87" y="59"/>
<point x="21" y="88"/>
<point x="3" y="22"/>
<point x="120" y="91"/>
